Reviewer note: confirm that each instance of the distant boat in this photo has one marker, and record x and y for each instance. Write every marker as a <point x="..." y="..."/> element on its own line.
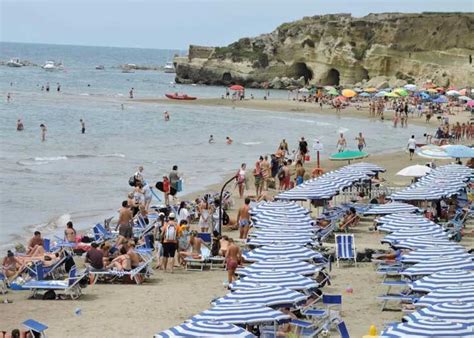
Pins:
<point x="52" y="65"/>
<point x="177" y="96"/>
<point x="169" y="68"/>
<point x="100" y="67"/>
<point x="14" y="63"/>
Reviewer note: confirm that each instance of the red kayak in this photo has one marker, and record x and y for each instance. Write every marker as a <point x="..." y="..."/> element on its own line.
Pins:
<point x="177" y="96"/>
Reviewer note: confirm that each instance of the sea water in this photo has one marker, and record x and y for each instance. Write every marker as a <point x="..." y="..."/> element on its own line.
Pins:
<point x="84" y="177"/>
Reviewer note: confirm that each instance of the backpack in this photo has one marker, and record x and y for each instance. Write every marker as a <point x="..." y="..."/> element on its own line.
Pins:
<point x="132" y="181"/>
<point x="170" y="233"/>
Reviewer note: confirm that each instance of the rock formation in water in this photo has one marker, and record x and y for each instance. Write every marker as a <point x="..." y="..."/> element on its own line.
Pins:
<point x="339" y="49"/>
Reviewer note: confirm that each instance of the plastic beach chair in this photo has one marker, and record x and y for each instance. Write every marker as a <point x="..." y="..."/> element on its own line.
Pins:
<point x="35" y="328"/>
<point x="69" y="287"/>
<point x="343" y="329"/>
<point x="324" y="317"/>
<point x="138" y="274"/>
<point x="198" y="264"/>
<point x="345" y="248"/>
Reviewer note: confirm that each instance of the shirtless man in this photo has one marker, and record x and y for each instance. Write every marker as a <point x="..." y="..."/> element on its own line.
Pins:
<point x="243" y="219"/>
<point x="341" y="143"/>
<point x="233" y="258"/>
<point x="265" y="169"/>
<point x="134" y="257"/>
<point x="35" y="244"/>
<point x="124" y="222"/>
<point x="360" y="142"/>
<point x="70" y="233"/>
<point x="195" y="244"/>
<point x="223" y="245"/>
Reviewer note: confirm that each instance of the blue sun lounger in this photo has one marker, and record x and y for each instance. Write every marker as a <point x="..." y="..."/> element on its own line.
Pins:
<point x="68" y="287"/>
<point x="137" y="274"/>
<point x="345" y="248"/>
<point x="35" y="328"/>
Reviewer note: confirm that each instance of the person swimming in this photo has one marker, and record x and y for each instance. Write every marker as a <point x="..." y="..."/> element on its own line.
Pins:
<point x="19" y="125"/>
<point x="228" y="140"/>
<point x="211" y="139"/>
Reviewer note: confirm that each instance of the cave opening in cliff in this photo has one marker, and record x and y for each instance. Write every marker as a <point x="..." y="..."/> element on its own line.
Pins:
<point x="332" y="79"/>
<point x="226" y="77"/>
<point x="300" y="69"/>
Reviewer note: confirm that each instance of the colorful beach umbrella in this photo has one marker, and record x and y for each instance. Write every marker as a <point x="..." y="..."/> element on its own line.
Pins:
<point x="410" y="87"/>
<point x="441" y="99"/>
<point x="391" y="94"/>
<point x="427" y="328"/>
<point x="370" y="90"/>
<point x="278" y="206"/>
<point x="348" y="93"/>
<point x="265" y="296"/>
<point x="237" y="87"/>
<point x="333" y="92"/>
<point x="205" y="329"/>
<point x="242" y="314"/>
<point x="453" y="93"/>
<point x="348" y="155"/>
<point x="464" y="98"/>
<point x="365" y="94"/>
<point x="454" y="312"/>
<point x="470" y="103"/>
<point x="381" y="94"/>
<point x="432" y="90"/>
<point x="432" y="152"/>
<point x="401" y="92"/>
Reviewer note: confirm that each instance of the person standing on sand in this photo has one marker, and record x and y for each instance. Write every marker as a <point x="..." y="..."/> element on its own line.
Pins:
<point x="243" y="219"/>
<point x="123" y="224"/>
<point x="341" y="143"/>
<point x="411" y="146"/>
<point x="265" y="169"/>
<point x="44" y="129"/>
<point x="360" y="142"/>
<point x="257" y="175"/>
<point x="303" y="148"/>
<point x="169" y="233"/>
<point x="166" y="189"/>
<point x="284" y="146"/>
<point x="233" y="258"/>
<point x="19" y="125"/>
<point x="83" y="126"/>
<point x="240" y="179"/>
<point x="300" y="171"/>
<point x="174" y="177"/>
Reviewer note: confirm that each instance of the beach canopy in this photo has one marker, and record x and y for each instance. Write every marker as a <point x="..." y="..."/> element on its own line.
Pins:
<point x="453" y="93"/>
<point x="401" y="92"/>
<point x="391" y="208"/>
<point x="420" y="242"/>
<point x="277" y="223"/>
<point x="294" y="216"/>
<point x="348" y="155"/>
<point x="280" y="237"/>
<point x="408" y="217"/>
<point x="414" y="171"/>
<point x="454" y="312"/>
<point x="444" y="279"/>
<point x="288" y="280"/>
<point x="391" y="94"/>
<point x="427" y="328"/>
<point x="395" y="225"/>
<point x="348" y="93"/>
<point x="437" y="264"/>
<point x="410" y="87"/>
<point x="381" y="94"/>
<point x="242" y="314"/>
<point x="403" y="234"/>
<point x="205" y="329"/>
<point x="363" y="166"/>
<point x="432" y="152"/>
<point x="264" y="296"/>
<point x="470" y="103"/>
<point x="431" y="252"/>
<point x="296" y="230"/>
<point x="441" y="99"/>
<point x="289" y="251"/>
<point x="420" y="193"/>
<point x="237" y="87"/>
<point x="370" y="90"/>
<point x="464" y="98"/>
<point x="459" y="151"/>
<point x="278" y="206"/>
<point x="365" y="94"/>
<point x="280" y="264"/>
<point x="449" y="294"/>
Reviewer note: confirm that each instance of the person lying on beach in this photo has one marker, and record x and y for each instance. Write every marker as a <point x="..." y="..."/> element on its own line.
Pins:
<point x="122" y="262"/>
<point x="195" y="244"/>
<point x="233" y="258"/>
<point x="35" y="245"/>
<point x="10" y="264"/>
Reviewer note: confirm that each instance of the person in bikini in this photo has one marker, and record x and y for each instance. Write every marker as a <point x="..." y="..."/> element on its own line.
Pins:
<point x="195" y="243"/>
<point x="243" y="219"/>
<point x="233" y="258"/>
<point x="122" y="262"/>
<point x="70" y="233"/>
<point x="10" y="264"/>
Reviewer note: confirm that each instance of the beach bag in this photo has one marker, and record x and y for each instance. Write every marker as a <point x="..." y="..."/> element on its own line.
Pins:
<point x="179" y="185"/>
<point x="170" y="234"/>
<point x="132" y="181"/>
<point x="225" y="218"/>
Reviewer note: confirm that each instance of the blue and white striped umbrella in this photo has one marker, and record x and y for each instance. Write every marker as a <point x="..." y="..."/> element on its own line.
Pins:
<point x="278" y="237"/>
<point x="455" y="312"/>
<point x="444" y="279"/>
<point x="291" y="230"/>
<point x="403" y="234"/>
<point x="242" y="314"/>
<point x="289" y="251"/>
<point x="421" y="242"/>
<point x="264" y="296"/>
<point x="205" y="329"/>
<point x="391" y="208"/>
<point x="459" y="151"/>
<point x="265" y="215"/>
<point x="431" y="252"/>
<point x="400" y="217"/>
<point x="279" y="265"/>
<point x="450" y="294"/>
<point x="438" y="264"/>
<point x="278" y="206"/>
<point x="419" y="194"/>
<point x="366" y="166"/>
<point x="395" y="225"/>
<point x="428" y="328"/>
<point x="288" y="280"/>
<point x="275" y="225"/>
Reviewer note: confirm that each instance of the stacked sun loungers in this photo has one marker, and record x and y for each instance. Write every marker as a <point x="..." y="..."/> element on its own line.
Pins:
<point x="282" y="269"/>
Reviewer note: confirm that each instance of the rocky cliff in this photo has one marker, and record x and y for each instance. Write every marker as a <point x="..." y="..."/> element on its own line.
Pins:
<point x="343" y="50"/>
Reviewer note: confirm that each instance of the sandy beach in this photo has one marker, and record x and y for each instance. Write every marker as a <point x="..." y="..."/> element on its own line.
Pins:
<point x="169" y="299"/>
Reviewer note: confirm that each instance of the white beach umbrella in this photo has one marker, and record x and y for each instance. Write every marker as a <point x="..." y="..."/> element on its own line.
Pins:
<point x="414" y="171"/>
<point x="453" y="93"/>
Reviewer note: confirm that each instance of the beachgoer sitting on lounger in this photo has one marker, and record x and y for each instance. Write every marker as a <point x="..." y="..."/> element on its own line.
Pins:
<point x="10" y="264"/>
<point x="195" y="244"/>
<point x="390" y="256"/>
<point x="35" y="245"/>
<point x="350" y="219"/>
<point x="95" y="257"/>
<point x="122" y="262"/>
<point x="284" y="330"/>
<point x="135" y="258"/>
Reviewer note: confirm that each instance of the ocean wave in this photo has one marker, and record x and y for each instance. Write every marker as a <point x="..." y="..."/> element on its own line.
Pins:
<point x="342" y="130"/>
<point x="46" y="160"/>
<point x="251" y="143"/>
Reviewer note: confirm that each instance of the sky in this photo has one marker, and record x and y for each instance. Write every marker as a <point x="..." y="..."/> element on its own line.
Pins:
<point x="174" y="24"/>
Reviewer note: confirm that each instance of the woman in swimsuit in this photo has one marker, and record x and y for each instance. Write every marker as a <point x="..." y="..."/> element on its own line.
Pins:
<point x="122" y="262"/>
<point x="10" y="264"/>
<point x="205" y="214"/>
